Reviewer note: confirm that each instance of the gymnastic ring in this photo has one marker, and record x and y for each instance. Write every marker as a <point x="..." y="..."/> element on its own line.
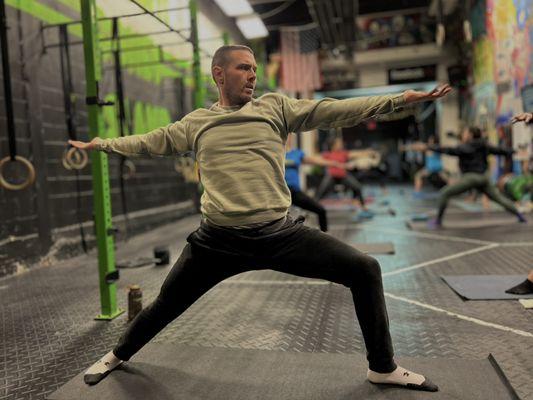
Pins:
<point x="29" y="179"/>
<point x="74" y="158"/>
<point x="64" y="161"/>
<point x="77" y="158"/>
<point x="131" y="169"/>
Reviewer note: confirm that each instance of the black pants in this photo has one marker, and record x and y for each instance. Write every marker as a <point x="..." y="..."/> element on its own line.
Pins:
<point x="349" y="182"/>
<point x="302" y="200"/>
<point x="216" y="253"/>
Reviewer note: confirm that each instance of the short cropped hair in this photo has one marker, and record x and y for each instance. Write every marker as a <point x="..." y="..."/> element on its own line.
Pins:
<point x="221" y="58"/>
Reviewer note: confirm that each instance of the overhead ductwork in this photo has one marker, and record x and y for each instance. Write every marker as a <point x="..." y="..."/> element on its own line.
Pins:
<point x="336" y="20"/>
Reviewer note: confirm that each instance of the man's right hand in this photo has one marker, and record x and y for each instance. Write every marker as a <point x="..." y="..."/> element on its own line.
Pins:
<point x="83" y="145"/>
<point x="526" y="117"/>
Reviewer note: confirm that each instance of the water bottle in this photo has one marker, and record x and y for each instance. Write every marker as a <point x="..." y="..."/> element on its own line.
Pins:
<point x="135" y="301"/>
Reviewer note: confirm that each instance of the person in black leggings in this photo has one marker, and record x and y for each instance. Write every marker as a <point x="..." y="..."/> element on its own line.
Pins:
<point x="473" y="163"/>
<point x="293" y="159"/>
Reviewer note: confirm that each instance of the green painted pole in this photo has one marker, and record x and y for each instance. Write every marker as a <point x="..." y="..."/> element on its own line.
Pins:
<point x="225" y="38"/>
<point x="199" y="93"/>
<point x="100" y="169"/>
<point x="259" y="48"/>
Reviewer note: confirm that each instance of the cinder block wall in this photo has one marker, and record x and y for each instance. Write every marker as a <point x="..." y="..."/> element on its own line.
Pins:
<point x="43" y="221"/>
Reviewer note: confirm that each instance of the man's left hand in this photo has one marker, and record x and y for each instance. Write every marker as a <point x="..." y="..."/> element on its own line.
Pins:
<point x="414" y="96"/>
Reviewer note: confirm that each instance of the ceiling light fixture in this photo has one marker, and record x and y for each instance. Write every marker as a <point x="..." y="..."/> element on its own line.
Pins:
<point x="252" y="27"/>
<point x="235" y="8"/>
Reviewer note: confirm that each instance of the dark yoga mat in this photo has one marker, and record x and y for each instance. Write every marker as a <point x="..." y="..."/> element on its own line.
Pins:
<point x="170" y="371"/>
<point x="375" y="248"/>
<point x="480" y="222"/>
<point x="485" y="287"/>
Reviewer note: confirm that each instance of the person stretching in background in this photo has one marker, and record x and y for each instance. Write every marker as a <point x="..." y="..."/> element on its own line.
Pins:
<point x="336" y="175"/>
<point x="473" y="162"/>
<point x="293" y="159"/>
<point x="432" y="165"/>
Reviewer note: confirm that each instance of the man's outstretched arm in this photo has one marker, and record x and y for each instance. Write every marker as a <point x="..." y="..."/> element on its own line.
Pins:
<point x="162" y="141"/>
<point x="304" y="115"/>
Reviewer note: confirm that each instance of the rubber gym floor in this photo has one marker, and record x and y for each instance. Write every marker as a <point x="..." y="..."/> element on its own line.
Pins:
<point x="48" y="331"/>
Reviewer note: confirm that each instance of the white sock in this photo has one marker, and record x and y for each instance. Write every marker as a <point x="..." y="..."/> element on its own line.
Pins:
<point x="101" y="368"/>
<point x="403" y="377"/>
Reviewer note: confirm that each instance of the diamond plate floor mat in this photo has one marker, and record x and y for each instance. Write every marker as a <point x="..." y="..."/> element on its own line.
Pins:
<point x="375" y="248"/>
<point x="485" y="287"/>
<point x="168" y="372"/>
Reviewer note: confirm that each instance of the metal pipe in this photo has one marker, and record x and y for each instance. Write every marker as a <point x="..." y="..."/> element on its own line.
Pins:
<point x="145" y="64"/>
<point x="147" y="47"/>
<point x="100" y="170"/>
<point x="130" y="36"/>
<point x="119" y="16"/>
<point x="196" y="66"/>
<point x="6" y="72"/>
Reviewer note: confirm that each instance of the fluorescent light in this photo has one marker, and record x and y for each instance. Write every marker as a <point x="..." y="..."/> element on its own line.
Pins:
<point x="234" y="8"/>
<point x="252" y="27"/>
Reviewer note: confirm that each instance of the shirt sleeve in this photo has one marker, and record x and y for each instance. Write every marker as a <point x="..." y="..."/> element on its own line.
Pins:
<point x="451" y="151"/>
<point x="303" y="115"/>
<point x="500" y="151"/>
<point x="164" y="141"/>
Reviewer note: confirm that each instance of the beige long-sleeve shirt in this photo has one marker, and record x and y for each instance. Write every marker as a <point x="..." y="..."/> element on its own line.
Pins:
<point x="241" y="150"/>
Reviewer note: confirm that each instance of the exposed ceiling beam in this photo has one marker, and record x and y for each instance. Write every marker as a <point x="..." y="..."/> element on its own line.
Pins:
<point x="256" y="2"/>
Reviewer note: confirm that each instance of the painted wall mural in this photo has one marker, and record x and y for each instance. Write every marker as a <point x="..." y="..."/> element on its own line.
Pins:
<point x="503" y="58"/>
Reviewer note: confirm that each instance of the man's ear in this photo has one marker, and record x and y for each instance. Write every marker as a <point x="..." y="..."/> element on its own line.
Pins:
<point x="218" y="74"/>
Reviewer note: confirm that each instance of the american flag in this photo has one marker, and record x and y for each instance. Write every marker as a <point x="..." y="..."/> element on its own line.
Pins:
<point x="300" y="70"/>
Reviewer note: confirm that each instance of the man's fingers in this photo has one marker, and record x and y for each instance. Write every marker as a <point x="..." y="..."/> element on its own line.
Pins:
<point x="440" y="91"/>
<point x="78" y="144"/>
